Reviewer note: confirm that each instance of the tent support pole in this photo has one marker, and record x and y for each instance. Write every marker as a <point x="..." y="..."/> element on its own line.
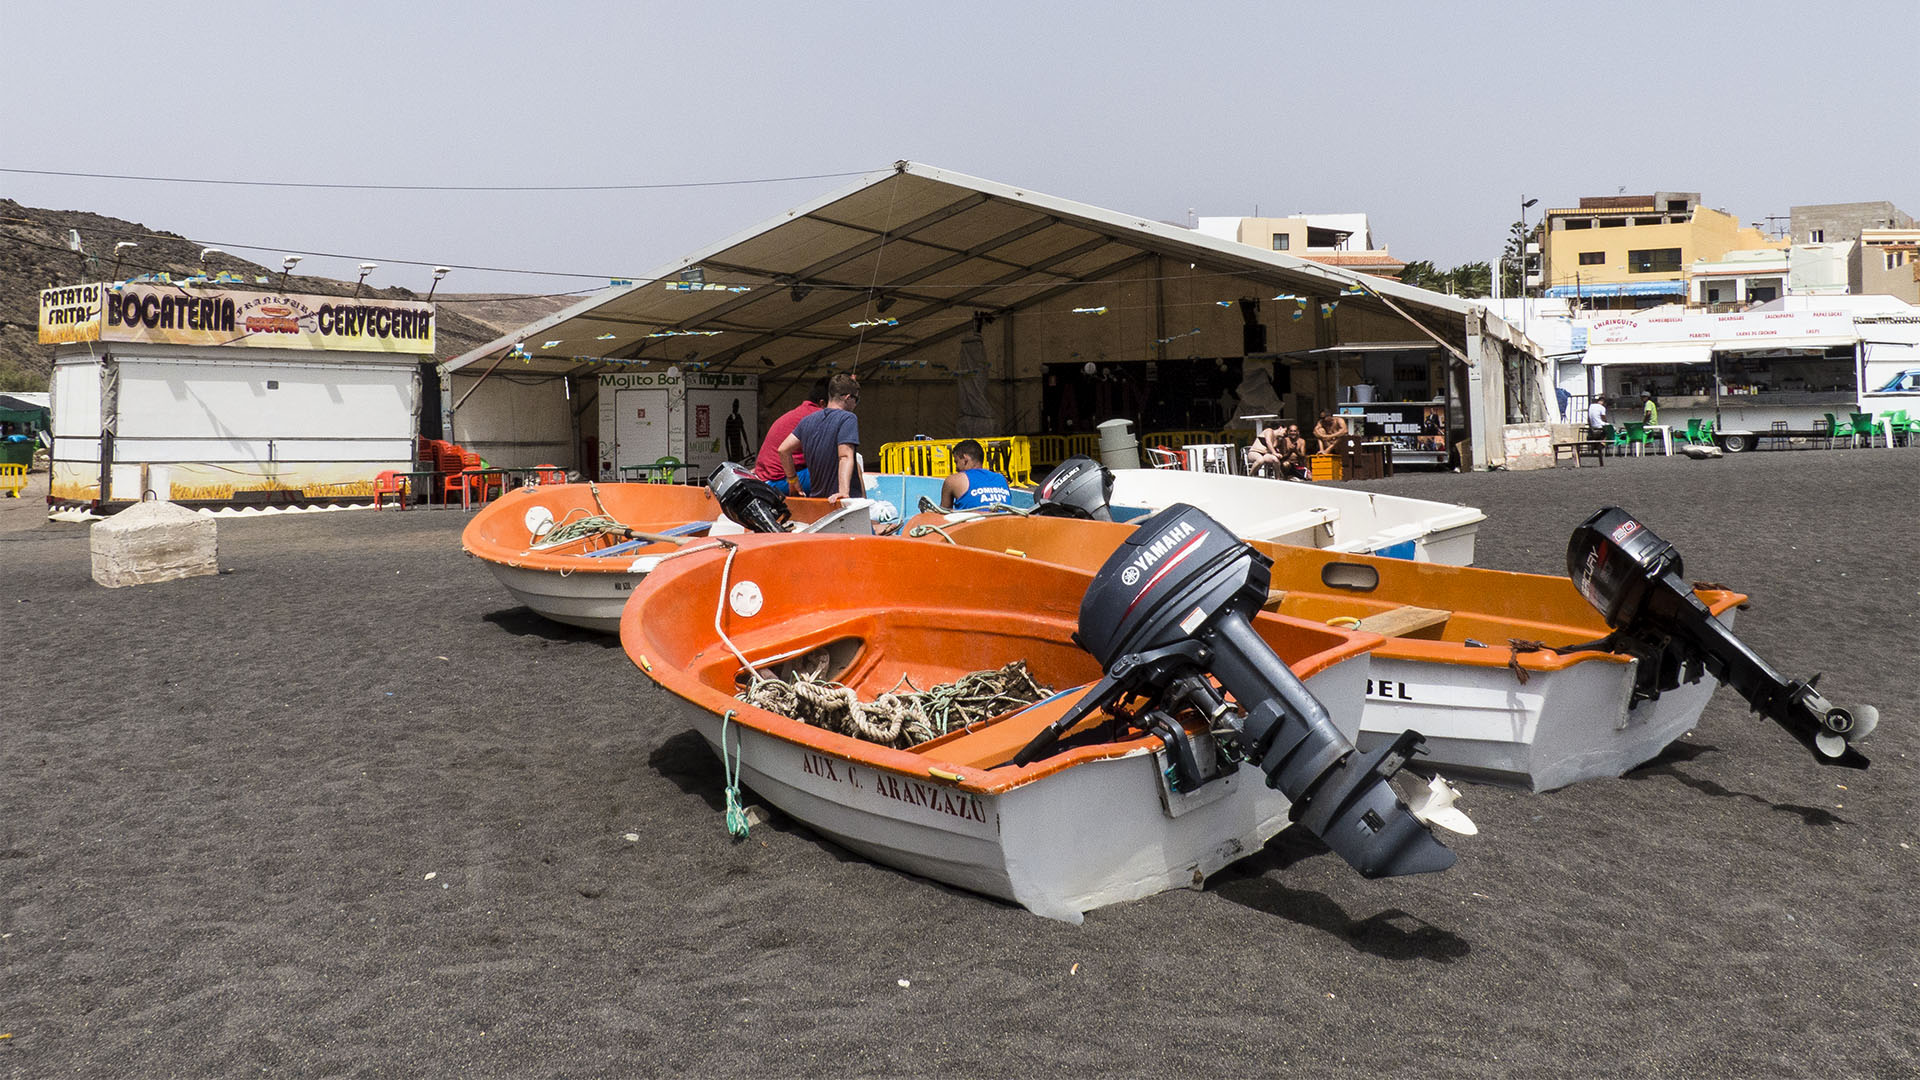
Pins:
<point x="476" y="383"/>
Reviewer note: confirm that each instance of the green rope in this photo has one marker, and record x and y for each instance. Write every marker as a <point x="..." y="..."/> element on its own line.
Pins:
<point x="730" y="765"/>
<point x="578" y="528"/>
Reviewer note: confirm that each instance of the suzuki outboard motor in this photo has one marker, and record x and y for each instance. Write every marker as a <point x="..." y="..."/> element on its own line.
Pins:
<point x="1175" y="604"/>
<point x="748" y="500"/>
<point x="1634" y="578"/>
<point x="1077" y="488"/>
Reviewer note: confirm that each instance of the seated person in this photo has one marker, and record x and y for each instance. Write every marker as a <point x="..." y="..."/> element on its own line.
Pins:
<point x="1329" y="431"/>
<point x="1293" y="455"/>
<point x="1267" y="451"/>
<point x="972" y="487"/>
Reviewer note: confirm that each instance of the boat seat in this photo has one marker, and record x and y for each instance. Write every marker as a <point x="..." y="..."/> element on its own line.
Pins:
<point x="1404" y="621"/>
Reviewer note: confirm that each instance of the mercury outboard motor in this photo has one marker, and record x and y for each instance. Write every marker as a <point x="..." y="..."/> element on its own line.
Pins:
<point x="1174" y="605"/>
<point x="1077" y="488"/>
<point x="748" y="500"/>
<point x="1635" y="580"/>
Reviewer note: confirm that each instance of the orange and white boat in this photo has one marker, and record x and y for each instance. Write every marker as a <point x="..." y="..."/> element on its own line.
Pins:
<point x="568" y="550"/>
<point x="1469" y="657"/>
<point x="1098" y="822"/>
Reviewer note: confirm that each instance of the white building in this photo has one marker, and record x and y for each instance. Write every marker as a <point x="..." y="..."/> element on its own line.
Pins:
<point x="214" y="395"/>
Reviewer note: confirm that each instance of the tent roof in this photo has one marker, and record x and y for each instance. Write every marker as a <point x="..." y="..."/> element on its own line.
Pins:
<point x="922" y="246"/>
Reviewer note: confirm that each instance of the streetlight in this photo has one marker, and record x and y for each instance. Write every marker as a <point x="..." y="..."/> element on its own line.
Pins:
<point x="1524" y="204"/>
<point x="365" y="269"/>
<point x="438" y="273"/>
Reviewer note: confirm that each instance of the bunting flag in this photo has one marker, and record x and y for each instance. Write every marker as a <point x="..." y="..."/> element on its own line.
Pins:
<point x="872" y="322"/>
<point x="1299" y="313"/>
<point x="1090" y="310"/>
<point x="698" y="286"/>
<point x="605" y="337"/>
<point x="685" y="333"/>
<point x="550" y="344"/>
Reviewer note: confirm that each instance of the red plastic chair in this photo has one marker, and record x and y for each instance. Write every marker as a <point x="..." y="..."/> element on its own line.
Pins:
<point x="389" y="483"/>
<point x="549" y="474"/>
<point x="488" y="486"/>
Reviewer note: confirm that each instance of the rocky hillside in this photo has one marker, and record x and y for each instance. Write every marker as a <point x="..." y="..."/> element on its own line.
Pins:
<point x="34" y="255"/>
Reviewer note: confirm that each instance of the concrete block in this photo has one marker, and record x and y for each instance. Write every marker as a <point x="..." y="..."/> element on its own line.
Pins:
<point x="151" y="542"/>
<point x="1529" y="446"/>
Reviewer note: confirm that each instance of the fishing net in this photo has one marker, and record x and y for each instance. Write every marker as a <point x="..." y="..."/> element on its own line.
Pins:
<point x="898" y="718"/>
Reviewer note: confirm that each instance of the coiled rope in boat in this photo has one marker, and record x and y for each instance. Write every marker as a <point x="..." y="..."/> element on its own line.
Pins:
<point x="895" y="718"/>
<point x="578" y="529"/>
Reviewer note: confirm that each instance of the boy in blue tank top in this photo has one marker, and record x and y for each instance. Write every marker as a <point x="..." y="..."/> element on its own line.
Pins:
<point x="972" y="487"/>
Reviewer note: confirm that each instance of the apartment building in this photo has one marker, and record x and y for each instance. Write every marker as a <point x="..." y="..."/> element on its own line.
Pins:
<point x="1633" y="251"/>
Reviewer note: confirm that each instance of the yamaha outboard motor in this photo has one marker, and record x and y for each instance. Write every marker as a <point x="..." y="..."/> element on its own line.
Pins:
<point x="1077" y="488"/>
<point x="748" y="500"/>
<point x="1635" y="580"/>
<point x="1174" y="605"/>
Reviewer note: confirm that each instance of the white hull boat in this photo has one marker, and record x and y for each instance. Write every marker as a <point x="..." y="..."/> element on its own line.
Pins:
<point x="1308" y="515"/>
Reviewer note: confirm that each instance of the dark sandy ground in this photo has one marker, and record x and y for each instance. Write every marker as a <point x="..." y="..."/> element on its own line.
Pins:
<point x="345" y="810"/>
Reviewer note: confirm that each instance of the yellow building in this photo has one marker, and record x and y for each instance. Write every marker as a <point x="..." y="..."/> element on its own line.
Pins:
<point x="1634" y="250"/>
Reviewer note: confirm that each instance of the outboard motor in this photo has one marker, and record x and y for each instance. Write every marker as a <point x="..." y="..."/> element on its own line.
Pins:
<point x="1077" y="488"/>
<point x="1174" y="605"/>
<point x="1635" y="580"/>
<point x="748" y="500"/>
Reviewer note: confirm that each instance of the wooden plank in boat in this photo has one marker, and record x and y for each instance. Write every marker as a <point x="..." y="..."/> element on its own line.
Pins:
<point x="1401" y="621"/>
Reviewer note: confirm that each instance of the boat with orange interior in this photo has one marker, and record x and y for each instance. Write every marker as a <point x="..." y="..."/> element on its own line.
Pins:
<point x="573" y="552"/>
<point x="1083" y="798"/>
<point x="1512" y="678"/>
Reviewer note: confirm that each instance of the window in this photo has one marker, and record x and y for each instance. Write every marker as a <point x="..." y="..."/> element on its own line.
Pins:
<point x="1816" y="236"/>
<point x="1281" y="241"/>
<point x="1593" y="258"/>
<point x="1896" y="259"/>
<point x="1676" y="206"/>
<point x="1576" y="223"/>
<point x="1613" y="223"/>
<point x="1654" y="261"/>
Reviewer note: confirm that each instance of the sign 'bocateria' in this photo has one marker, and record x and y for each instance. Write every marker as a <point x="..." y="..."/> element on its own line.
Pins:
<point x="151" y="313"/>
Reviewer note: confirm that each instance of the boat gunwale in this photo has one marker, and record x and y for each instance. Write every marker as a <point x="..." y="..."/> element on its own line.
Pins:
<point x="476" y="541"/>
<point x="1424" y="650"/>
<point x="685" y="684"/>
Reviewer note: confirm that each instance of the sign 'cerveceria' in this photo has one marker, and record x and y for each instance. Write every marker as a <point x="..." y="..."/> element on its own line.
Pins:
<point x="148" y="313"/>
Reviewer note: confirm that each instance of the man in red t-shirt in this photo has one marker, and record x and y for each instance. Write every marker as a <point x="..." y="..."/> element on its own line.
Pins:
<point x="766" y="465"/>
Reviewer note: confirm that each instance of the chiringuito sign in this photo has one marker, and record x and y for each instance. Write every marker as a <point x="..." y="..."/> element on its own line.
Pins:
<point x="178" y="315"/>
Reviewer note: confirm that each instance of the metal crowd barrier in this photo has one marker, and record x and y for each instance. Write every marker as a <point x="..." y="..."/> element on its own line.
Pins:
<point x="1009" y="455"/>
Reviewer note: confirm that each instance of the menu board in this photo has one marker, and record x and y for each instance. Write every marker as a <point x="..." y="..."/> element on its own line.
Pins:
<point x="1408" y="425"/>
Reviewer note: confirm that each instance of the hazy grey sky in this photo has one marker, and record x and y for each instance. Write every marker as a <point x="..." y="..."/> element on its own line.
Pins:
<point x="1433" y="118"/>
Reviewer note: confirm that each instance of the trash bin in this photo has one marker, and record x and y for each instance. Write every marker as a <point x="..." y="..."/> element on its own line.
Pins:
<point x="16" y="453"/>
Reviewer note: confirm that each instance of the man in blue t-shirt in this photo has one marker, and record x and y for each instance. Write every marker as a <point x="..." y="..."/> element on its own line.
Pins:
<point x="829" y="441"/>
<point x="972" y="487"/>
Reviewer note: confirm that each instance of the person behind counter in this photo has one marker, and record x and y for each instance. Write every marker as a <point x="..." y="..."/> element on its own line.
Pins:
<point x="1650" y="411"/>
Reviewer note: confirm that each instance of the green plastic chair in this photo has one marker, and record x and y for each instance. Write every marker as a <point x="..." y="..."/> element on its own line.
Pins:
<point x="1636" y="436"/>
<point x="665" y="471"/>
<point x="1863" y="426"/>
<point x="1691" y="436"/>
<point x="1898" y="417"/>
<point x="1610" y="438"/>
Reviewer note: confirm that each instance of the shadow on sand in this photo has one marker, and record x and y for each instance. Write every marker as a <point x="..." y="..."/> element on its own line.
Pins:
<point x="525" y="622"/>
<point x="1679" y="753"/>
<point x="1391" y="935"/>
